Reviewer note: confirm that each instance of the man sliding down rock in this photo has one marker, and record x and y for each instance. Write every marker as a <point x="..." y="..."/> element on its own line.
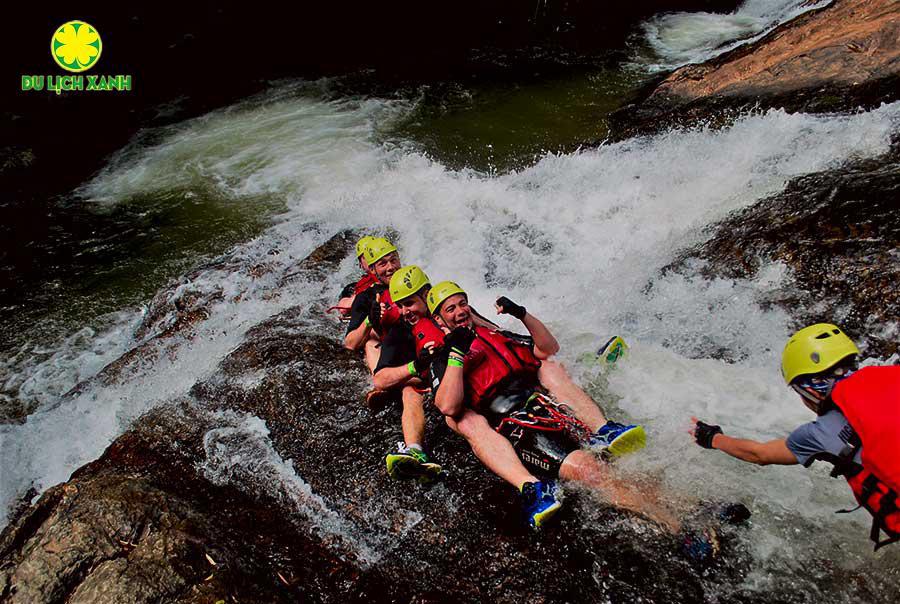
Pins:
<point x="373" y="316"/>
<point x="490" y="383"/>
<point x="351" y="290"/>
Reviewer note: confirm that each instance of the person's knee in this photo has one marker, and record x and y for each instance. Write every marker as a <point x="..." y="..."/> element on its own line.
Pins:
<point x="452" y="424"/>
<point x="411" y="396"/>
<point x="552" y="372"/>
<point x="581" y="465"/>
<point x="468" y="425"/>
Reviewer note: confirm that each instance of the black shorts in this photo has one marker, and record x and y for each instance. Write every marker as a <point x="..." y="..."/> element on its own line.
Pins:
<point x="540" y="443"/>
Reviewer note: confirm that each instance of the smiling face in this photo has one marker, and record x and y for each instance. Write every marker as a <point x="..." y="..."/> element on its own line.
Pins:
<point x="385" y="267"/>
<point x="413" y="308"/>
<point x="455" y="311"/>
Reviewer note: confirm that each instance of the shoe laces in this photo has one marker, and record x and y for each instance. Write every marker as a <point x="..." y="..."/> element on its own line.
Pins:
<point x="418" y="455"/>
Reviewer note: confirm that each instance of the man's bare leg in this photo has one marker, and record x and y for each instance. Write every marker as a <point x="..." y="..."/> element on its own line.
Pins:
<point x="492" y="449"/>
<point x="554" y="377"/>
<point x="581" y="466"/>
<point x="412" y="421"/>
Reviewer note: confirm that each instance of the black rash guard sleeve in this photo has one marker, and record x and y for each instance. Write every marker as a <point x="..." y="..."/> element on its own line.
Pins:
<point x="362" y="304"/>
<point x="398" y="347"/>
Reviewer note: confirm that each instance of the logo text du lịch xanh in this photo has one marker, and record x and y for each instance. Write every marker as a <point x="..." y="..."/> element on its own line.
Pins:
<point x="76" y="47"/>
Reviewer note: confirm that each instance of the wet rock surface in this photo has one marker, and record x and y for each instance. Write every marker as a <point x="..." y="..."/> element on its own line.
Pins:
<point x="837" y="58"/>
<point x="266" y="484"/>
<point x="839" y="232"/>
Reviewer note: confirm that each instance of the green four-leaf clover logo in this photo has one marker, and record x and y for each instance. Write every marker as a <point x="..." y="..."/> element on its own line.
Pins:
<point x="76" y="46"/>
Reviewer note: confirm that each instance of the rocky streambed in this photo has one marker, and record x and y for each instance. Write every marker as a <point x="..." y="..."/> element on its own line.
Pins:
<point x="197" y="503"/>
<point x="264" y="483"/>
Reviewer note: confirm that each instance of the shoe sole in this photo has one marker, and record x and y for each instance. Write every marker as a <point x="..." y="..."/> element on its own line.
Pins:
<point x="613" y="351"/>
<point x="430" y="473"/>
<point x="628" y="442"/>
<point x="404" y="467"/>
<point x="541" y="518"/>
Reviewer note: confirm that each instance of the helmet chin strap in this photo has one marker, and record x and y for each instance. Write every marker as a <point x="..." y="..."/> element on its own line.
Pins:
<point x="810" y="395"/>
<point x="817" y="395"/>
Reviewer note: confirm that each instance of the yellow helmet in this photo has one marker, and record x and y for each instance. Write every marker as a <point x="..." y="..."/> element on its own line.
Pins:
<point x="815" y="349"/>
<point x="378" y="248"/>
<point x="406" y="282"/>
<point x="362" y="244"/>
<point x="441" y="292"/>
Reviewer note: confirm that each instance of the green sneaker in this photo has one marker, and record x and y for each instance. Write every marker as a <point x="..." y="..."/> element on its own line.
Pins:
<point x="411" y="464"/>
<point x="608" y="355"/>
<point x="612" y="351"/>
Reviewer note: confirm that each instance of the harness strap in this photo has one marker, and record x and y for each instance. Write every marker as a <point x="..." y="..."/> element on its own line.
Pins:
<point x="869" y="486"/>
<point x="557" y="420"/>
<point x="888" y="506"/>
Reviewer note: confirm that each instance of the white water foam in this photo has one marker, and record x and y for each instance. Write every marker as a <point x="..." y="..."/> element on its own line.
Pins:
<point x="579" y="239"/>
<point x="681" y="38"/>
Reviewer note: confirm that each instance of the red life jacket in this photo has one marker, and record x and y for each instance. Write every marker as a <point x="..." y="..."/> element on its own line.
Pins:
<point x="364" y="283"/>
<point x="870" y="400"/>
<point x="390" y="315"/>
<point x="493" y="360"/>
<point x="426" y="330"/>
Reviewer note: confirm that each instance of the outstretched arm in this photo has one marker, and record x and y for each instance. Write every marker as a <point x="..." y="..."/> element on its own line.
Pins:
<point x="545" y="345"/>
<point x="752" y="451"/>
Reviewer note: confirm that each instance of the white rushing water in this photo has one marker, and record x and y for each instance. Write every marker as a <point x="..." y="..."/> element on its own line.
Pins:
<point x="679" y="38"/>
<point x="579" y="239"/>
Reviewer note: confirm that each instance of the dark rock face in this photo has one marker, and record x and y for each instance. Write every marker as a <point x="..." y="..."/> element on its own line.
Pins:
<point x="837" y="58"/>
<point x="839" y="232"/>
<point x="141" y="525"/>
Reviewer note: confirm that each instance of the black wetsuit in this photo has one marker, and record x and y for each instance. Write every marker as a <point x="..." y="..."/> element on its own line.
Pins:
<point x="398" y="347"/>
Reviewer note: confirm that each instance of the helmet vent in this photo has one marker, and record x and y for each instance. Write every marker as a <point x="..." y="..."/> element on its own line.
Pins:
<point x="823" y="335"/>
<point x="815" y="357"/>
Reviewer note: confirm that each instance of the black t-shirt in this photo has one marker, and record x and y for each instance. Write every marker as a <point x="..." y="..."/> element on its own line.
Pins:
<point x="362" y="304"/>
<point x="398" y="347"/>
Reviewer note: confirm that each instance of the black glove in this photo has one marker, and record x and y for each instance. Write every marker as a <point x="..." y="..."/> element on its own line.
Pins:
<point x="460" y="338"/>
<point x="423" y="361"/>
<point x="375" y="316"/>
<point x="703" y="434"/>
<point x="509" y="307"/>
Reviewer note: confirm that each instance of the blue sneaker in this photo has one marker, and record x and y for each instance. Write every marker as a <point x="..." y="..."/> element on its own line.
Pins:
<point x="700" y="546"/>
<point x="539" y="502"/>
<point x="619" y="439"/>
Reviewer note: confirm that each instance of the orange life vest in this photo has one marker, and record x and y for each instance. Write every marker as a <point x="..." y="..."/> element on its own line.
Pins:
<point x="493" y="361"/>
<point x="870" y="400"/>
